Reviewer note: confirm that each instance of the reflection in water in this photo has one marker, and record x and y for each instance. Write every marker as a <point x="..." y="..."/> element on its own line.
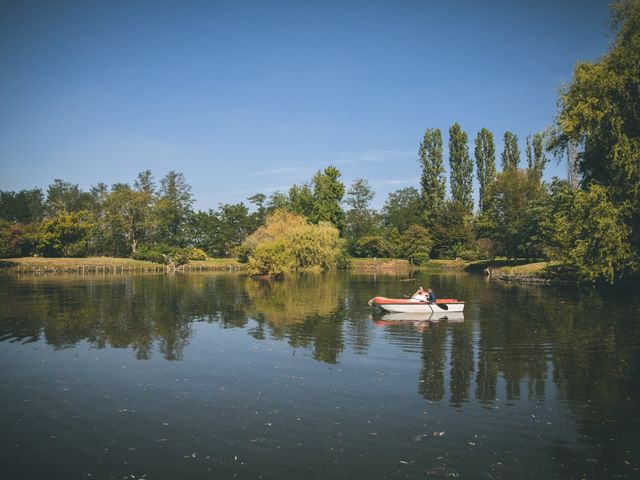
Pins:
<point x="513" y="344"/>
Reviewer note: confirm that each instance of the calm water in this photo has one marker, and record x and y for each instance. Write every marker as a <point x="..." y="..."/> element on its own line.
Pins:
<point x="218" y="376"/>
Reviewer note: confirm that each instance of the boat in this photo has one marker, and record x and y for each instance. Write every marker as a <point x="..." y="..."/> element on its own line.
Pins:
<point x="409" y="305"/>
<point x="451" y="317"/>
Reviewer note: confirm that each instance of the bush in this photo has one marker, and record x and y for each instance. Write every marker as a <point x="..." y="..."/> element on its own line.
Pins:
<point x="194" y="253"/>
<point x="149" y="253"/>
<point x="420" y="258"/>
<point x="243" y="252"/>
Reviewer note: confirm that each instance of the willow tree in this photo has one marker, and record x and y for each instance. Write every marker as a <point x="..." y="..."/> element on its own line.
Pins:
<point x="432" y="181"/>
<point x="511" y="152"/>
<point x="485" y="153"/>
<point x="461" y="180"/>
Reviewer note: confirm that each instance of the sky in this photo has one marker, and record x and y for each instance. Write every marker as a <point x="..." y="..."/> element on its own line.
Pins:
<point x="245" y="97"/>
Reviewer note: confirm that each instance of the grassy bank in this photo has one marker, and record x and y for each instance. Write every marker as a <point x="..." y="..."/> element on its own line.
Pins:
<point x="108" y="264"/>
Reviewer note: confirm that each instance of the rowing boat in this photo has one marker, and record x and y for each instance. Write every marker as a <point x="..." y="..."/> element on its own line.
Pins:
<point x="404" y="305"/>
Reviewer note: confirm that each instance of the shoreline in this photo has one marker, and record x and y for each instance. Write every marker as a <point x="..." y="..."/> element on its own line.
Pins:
<point x="542" y="273"/>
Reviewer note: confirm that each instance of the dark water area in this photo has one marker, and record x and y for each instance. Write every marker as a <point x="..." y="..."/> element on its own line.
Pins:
<point x="219" y="376"/>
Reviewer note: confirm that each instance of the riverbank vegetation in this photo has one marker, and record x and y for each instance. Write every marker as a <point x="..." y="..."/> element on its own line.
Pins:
<point x="590" y="223"/>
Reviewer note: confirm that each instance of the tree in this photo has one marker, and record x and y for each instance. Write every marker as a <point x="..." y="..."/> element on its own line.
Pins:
<point x="328" y="191"/>
<point x="452" y="230"/>
<point x="432" y="181"/>
<point x="66" y="197"/>
<point x="260" y="214"/>
<point x="402" y="209"/>
<point x="173" y="207"/>
<point x="144" y="183"/>
<point x="536" y="158"/>
<point x="25" y="206"/>
<point x="592" y="236"/>
<point x="301" y="200"/>
<point x="129" y="213"/>
<point x="65" y="235"/>
<point x="415" y="240"/>
<point x="360" y="219"/>
<point x="461" y="168"/>
<point x="509" y="220"/>
<point x="371" y="246"/>
<point x="600" y="111"/>
<point x="287" y="242"/>
<point x="485" y="153"/>
<point x="511" y="152"/>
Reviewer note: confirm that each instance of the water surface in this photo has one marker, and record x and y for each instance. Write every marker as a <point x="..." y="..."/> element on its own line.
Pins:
<point x="219" y="376"/>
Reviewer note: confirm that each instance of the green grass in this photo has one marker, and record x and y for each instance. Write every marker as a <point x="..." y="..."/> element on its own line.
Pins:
<point x="36" y="264"/>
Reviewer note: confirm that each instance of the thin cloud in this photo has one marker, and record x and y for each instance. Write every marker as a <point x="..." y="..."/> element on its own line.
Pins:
<point x="365" y="156"/>
<point x="395" y="181"/>
<point x="280" y="171"/>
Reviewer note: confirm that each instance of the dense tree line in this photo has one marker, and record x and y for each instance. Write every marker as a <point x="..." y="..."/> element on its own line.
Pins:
<point x="594" y="230"/>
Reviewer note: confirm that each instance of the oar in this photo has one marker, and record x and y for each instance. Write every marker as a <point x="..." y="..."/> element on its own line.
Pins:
<point x="443" y="306"/>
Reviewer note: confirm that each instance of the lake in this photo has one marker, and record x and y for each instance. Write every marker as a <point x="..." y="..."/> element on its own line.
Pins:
<point x="219" y="376"/>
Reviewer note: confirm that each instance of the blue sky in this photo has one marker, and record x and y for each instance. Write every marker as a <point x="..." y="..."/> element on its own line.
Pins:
<point x="246" y="97"/>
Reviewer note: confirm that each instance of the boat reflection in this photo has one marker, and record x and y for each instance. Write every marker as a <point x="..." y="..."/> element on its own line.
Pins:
<point x="452" y="317"/>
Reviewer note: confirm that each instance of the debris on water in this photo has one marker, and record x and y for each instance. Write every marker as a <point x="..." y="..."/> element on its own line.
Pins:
<point x="404" y="462"/>
<point x="419" y="437"/>
<point x="439" y="434"/>
<point x="165" y="424"/>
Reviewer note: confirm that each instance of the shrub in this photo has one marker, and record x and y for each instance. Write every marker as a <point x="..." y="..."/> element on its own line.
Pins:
<point x="150" y="253"/>
<point x="243" y="252"/>
<point x="194" y="253"/>
<point x="420" y="258"/>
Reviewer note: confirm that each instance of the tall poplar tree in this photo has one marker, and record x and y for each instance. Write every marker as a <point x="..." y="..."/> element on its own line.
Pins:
<point x="511" y="152"/>
<point x="432" y="181"/>
<point x="461" y="180"/>
<point x="485" y="153"/>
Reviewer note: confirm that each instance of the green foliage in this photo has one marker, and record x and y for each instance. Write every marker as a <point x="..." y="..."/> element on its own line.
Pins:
<point x="194" y="253"/>
<point x="402" y="209"/>
<point x="361" y="218"/>
<point x="25" y="206"/>
<point x="485" y="154"/>
<point x="420" y="258"/>
<point x="371" y="246"/>
<point x="461" y="180"/>
<point x="243" y="252"/>
<point x="328" y="191"/>
<point x="511" y="219"/>
<point x="288" y="243"/>
<point x="151" y="253"/>
<point x="536" y="158"/>
<point x="591" y="236"/>
<point x="167" y="255"/>
<point x="65" y="235"/>
<point x="129" y="213"/>
<point x="173" y="208"/>
<point x="432" y="179"/>
<point x="511" y="152"/>
<point x="65" y="197"/>
<point x="452" y="227"/>
<point x="600" y="111"/>
<point x="415" y="240"/>
<point x="301" y="200"/>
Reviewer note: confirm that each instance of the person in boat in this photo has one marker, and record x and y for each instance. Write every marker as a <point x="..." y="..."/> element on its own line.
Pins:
<point x="431" y="296"/>
<point x="420" y="295"/>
